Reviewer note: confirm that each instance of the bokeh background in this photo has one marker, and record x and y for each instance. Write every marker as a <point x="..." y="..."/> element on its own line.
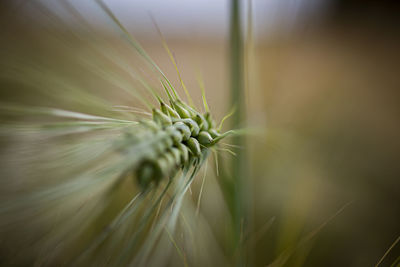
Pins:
<point x="322" y="77"/>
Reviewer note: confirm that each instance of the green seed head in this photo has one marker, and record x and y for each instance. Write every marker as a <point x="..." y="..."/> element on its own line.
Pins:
<point x="179" y="133"/>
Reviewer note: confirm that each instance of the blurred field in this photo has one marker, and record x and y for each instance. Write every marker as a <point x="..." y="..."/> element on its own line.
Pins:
<point x="330" y="101"/>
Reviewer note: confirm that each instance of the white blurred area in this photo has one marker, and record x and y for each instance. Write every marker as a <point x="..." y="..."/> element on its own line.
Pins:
<point x="183" y="19"/>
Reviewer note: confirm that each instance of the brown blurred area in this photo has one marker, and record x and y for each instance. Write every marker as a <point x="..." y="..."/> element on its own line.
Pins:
<point x="328" y="95"/>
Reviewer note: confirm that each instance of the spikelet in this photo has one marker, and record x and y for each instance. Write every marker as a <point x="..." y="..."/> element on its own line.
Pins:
<point x="100" y="188"/>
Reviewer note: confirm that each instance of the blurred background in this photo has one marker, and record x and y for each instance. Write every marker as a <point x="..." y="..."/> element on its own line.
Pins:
<point x="322" y="76"/>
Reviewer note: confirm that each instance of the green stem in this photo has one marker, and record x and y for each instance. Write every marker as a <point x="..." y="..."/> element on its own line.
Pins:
<point x="237" y="99"/>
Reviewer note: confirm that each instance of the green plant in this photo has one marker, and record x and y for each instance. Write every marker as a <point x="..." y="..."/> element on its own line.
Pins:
<point x="106" y="186"/>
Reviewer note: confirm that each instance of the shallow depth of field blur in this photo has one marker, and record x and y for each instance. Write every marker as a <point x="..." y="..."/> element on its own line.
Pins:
<point x="322" y="77"/>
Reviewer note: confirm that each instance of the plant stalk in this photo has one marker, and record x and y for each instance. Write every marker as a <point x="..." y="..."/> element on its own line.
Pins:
<point x="237" y="100"/>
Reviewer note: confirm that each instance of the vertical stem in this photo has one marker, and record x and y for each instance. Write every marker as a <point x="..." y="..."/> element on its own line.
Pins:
<point x="237" y="100"/>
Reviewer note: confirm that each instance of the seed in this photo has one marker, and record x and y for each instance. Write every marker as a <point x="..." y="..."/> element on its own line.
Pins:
<point x="204" y="138"/>
<point x="183" y="113"/>
<point x="161" y="118"/>
<point x="162" y="165"/>
<point x="202" y="122"/>
<point x="210" y="121"/>
<point x="184" y="152"/>
<point x="168" y="141"/>
<point x="151" y="125"/>
<point x="162" y="145"/>
<point x="214" y="133"/>
<point x="175" y="134"/>
<point x="167" y="110"/>
<point x="170" y="162"/>
<point x="194" y="146"/>
<point x="147" y="173"/>
<point x="184" y="129"/>
<point x="194" y="127"/>
<point x="177" y="155"/>
<point x="190" y="110"/>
